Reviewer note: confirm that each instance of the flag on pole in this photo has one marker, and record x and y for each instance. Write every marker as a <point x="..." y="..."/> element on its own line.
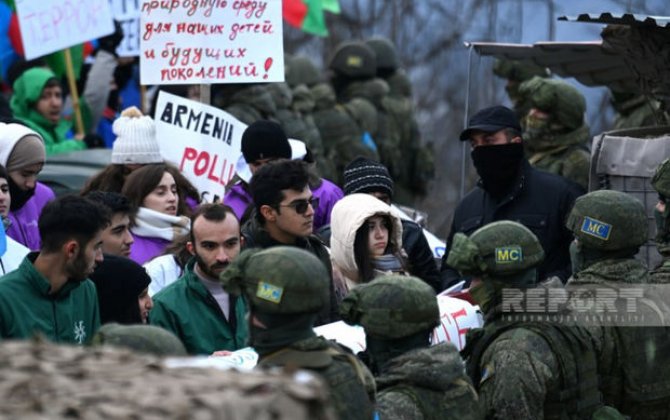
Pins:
<point x="308" y="14"/>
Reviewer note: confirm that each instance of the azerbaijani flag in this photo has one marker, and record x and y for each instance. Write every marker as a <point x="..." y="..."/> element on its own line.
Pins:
<point x="308" y="14"/>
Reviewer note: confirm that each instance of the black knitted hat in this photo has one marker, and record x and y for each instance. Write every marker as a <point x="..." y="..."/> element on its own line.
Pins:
<point x="265" y="139"/>
<point x="119" y="282"/>
<point x="363" y="175"/>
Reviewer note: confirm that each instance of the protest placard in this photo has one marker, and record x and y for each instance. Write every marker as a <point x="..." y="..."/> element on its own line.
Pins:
<point x="52" y="25"/>
<point x="457" y="317"/>
<point x="203" y="141"/>
<point x="211" y="41"/>
<point x="127" y="13"/>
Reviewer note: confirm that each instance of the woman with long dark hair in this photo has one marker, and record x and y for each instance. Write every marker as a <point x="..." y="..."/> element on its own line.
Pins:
<point x="366" y="241"/>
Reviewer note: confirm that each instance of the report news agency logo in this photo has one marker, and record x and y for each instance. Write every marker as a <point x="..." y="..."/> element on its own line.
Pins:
<point x="588" y="305"/>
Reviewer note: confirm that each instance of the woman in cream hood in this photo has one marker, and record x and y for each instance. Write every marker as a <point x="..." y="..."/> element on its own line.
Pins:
<point x="23" y="154"/>
<point x="366" y="241"/>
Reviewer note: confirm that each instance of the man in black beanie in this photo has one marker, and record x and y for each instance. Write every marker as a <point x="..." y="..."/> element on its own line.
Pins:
<point x="262" y="142"/>
<point x="363" y="175"/>
<point x="510" y="189"/>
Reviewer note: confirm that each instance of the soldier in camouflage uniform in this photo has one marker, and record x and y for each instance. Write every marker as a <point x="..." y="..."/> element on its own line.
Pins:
<point x="341" y="135"/>
<point x="516" y="73"/>
<point x="522" y="369"/>
<point x="247" y="102"/>
<point x="410" y="162"/>
<point x="635" y="111"/>
<point x="301" y="76"/>
<point x="286" y="287"/>
<point x="414" y="380"/>
<point x="661" y="183"/>
<point x="609" y="228"/>
<point x="554" y="130"/>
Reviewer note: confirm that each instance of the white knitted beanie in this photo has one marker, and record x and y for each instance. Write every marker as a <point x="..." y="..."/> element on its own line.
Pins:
<point x="135" y="139"/>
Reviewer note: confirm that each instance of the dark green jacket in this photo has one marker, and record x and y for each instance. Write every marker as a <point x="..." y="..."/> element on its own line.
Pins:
<point x="187" y="309"/>
<point x="26" y="307"/>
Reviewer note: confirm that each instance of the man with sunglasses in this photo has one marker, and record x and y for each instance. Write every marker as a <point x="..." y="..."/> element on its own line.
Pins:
<point x="284" y="215"/>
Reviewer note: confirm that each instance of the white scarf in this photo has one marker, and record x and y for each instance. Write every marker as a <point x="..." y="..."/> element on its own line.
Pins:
<point x="154" y="224"/>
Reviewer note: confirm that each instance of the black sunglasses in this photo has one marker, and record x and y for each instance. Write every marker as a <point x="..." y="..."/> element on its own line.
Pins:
<point x="300" y="206"/>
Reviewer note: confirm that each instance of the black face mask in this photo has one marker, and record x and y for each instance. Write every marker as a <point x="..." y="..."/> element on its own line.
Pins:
<point x="19" y="196"/>
<point x="497" y="166"/>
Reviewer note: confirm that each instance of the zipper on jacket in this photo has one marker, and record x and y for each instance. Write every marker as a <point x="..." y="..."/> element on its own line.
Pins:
<point x="55" y="323"/>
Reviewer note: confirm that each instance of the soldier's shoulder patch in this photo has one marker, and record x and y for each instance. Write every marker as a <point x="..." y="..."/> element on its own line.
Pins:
<point x="509" y="254"/>
<point x="596" y="228"/>
<point x="269" y="292"/>
<point x="487" y="372"/>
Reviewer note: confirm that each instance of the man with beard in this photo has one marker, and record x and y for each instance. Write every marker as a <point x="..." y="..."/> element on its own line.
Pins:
<point x="195" y="307"/>
<point x="50" y="292"/>
<point x="510" y="189"/>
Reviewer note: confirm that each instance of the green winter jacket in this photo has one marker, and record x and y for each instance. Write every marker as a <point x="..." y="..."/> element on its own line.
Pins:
<point x="187" y="309"/>
<point x="26" y="307"/>
<point x="27" y="91"/>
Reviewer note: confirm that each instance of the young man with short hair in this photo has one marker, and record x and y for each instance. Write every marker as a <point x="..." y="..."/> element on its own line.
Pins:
<point x="50" y="292"/>
<point x="284" y="215"/>
<point x="195" y="307"/>
<point x="116" y="238"/>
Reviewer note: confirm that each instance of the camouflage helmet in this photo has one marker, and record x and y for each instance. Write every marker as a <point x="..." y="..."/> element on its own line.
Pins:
<point x="518" y="71"/>
<point x="148" y="339"/>
<point x="279" y="280"/>
<point x="501" y="248"/>
<point x="608" y="220"/>
<point x="661" y="179"/>
<point x="354" y="60"/>
<point x="385" y="53"/>
<point x="391" y="307"/>
<point x="562" y="101"/>
<point x="301" y="70"/>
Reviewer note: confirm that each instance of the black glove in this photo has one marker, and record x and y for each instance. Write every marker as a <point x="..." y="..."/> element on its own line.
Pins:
<point x="111" y="42"/>
<point x="94" y="141"/>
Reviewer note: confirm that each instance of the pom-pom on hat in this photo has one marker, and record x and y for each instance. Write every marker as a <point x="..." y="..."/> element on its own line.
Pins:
<point x="363" y="175"/>
<point x="135" y="139"/>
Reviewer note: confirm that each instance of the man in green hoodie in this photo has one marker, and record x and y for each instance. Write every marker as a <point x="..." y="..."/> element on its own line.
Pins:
<point x="38" y="103"/>
<point x="50" y="292"/>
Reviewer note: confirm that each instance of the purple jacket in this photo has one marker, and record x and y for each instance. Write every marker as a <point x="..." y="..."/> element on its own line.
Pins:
<point x="24" y="220"/>
<point x="145" y="248"/>
<point x="328" y="194"/>
<point x="239" y="198"/>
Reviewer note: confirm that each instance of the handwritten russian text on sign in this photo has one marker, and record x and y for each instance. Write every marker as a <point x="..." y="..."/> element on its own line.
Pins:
<point x="127" y="13"/>
<point x="52" y="25"/>
<point x="211" y="41"/>
<point x="203" y="141"/>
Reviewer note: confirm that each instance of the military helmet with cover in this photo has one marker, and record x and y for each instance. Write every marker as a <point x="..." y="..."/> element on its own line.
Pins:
<point x="608" y="220"/>
<point x="518" y="71"/>
<point x="354" y="60"/>
<point x="562" y="101"/>
<point x="279" y="280"/>
<point x="499" y="249"/>
<point x="392" y="307"/>
<point x="301" y="70"/>
<point x="385" y="53"/>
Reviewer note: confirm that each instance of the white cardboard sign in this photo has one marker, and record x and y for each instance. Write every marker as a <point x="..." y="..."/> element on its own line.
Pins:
<point x="203" y="141"/>
<point x="52" y="25"/>
<point x="211" y="41"/>
<point x="127" y="13"/>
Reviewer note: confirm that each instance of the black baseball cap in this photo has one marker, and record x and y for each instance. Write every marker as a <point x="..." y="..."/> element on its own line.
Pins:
<point x="490" y="120"/>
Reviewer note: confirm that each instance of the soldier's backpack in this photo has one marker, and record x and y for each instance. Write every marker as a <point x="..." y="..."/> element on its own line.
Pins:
<point x="579" y="396"/>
